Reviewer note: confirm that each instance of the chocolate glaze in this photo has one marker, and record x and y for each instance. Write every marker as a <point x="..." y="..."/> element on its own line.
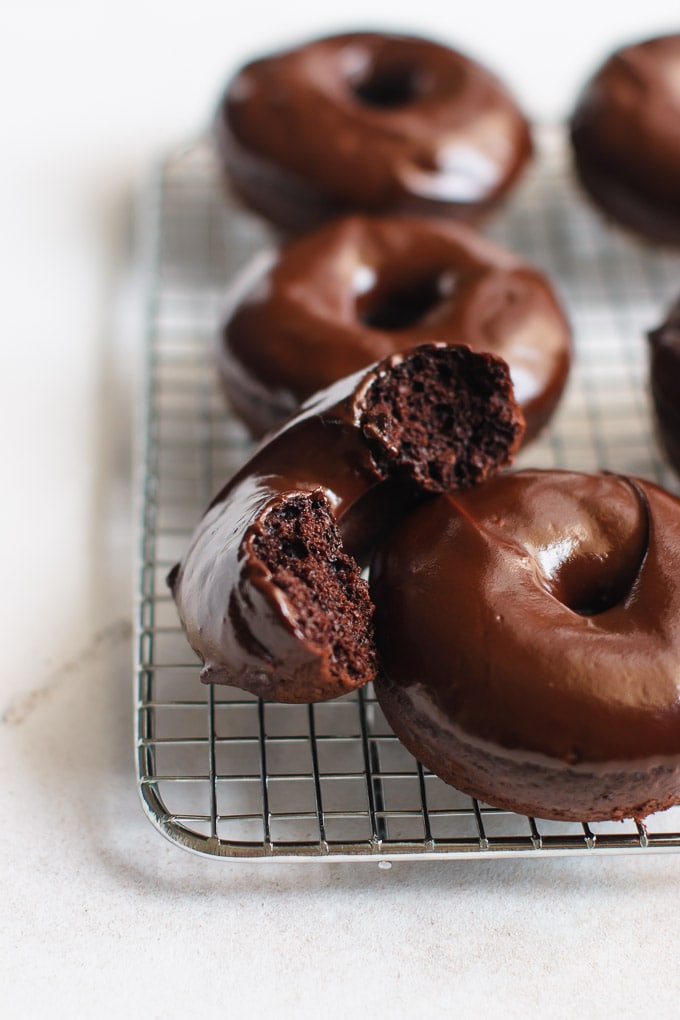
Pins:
<point x="366" y="121"/>
<point x="664" y="344"/>
<point x="529" y="632"/>
<point x="345" y="454"/>
<point x="626" y="137"/>
<point x="360" y="288"/>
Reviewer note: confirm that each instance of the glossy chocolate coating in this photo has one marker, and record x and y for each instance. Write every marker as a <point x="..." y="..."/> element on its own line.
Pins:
<point x="237" y="619"/>
<point x="360" y="288"/>
<point x="530" y="636"/>
<point x="664" y="345"/>
<point x="366" y="121"/>
<point x="626" y="137"/>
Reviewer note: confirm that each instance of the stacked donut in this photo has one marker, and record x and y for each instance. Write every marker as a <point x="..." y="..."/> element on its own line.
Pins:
<point x="522" y="629"/>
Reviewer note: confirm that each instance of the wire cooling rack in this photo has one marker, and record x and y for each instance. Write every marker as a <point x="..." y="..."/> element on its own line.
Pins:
<point x="224" y="774"/>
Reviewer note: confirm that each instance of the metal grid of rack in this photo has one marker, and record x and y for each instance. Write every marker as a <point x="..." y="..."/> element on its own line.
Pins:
<point x="224" y="774"/>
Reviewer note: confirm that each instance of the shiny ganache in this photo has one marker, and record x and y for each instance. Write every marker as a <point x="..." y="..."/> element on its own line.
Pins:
<point x="356" y="290"/>
<point x="270" y="591"/>
<point x="369" y="121"/>
<point x="529" y="632"/>
<point x="625" y="133"/>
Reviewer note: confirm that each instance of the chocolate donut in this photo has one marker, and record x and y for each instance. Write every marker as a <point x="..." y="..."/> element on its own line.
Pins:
<point x="625" y="133"/>
<point x="358" y="289"/>
<point x="373" y="122"/>
<point x="664" y="345"/>
<point x="529" y="633"/>
<point x="269" y="593"/>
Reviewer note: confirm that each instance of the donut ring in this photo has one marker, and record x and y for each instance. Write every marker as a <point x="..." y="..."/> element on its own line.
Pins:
<point x="373" y="122"/>
<point x="269" y="593"/>
<point x="529" y="632"/>
<point x="335" y="300"/>
<point x="626" y="138"/>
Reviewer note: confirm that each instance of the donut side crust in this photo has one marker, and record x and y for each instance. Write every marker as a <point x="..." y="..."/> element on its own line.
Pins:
<point x="528" y="787"/>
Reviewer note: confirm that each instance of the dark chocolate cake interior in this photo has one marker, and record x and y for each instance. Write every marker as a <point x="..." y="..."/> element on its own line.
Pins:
<point x="445" y="418"/>
<point x="300" y="544"/>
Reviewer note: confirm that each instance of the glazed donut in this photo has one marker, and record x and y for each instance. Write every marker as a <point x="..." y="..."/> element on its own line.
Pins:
<point x="529" y="634"/>
<point x="365" y="121"/>
<point x="625" y="133"/>
<point x="664" y="347"/>
<point x="358" y="289"/>
<point x="269" y="593"/>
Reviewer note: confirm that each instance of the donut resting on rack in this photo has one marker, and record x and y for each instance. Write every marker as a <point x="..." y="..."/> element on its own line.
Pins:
<point x="372" y="122"/>
<point x="361" y="288"/>
<point x="529" y="634"/>
<point x="270" y="592"/>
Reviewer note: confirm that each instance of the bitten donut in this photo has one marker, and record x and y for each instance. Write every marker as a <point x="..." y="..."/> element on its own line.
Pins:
<point x="664" y="346"/>
<point x="365" y="121"/>
<point x="625" y="133"/>
<point x="269" y="593"/>
<point x="358" y="289"/>
<point x="529" y="633"/>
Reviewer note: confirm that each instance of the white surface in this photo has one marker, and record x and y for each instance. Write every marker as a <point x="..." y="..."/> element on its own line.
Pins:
<point x="101" y="917"/>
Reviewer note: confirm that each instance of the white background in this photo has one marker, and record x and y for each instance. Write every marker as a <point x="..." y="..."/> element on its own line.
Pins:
<point x="101" y="917"/>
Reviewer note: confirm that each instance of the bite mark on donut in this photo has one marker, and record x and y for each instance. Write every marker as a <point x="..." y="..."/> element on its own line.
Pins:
<point x="299" y="543"/>
<point x="446" y="420"/>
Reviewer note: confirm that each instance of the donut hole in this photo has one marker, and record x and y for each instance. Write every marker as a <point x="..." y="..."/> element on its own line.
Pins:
<point x="579" y="588"/>
<point x="589" y="561"/>
<point x="389" y="87"/>
<point x="591" y="585"/>
<point x="399" y="308"/>
<point x="300" y="545"/>
<point x="445" y="418"/>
